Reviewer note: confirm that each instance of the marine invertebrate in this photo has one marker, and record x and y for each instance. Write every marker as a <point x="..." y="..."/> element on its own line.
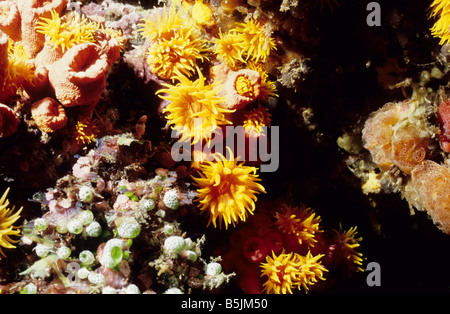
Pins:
<point x="441" y="11"/>
<point x="311" y="270"/>
<point x="229" y="48"/>
<point x="20" y="68"/>
<point x="431" y="184"/>
<point x="268" y="88"/>
<point x="175" y="44"/>
<point x="30" y="13"/>
<point x="79" y="77"/>
<point x="286" y="272"/>
<point x="194" y="110"/>
<point x="162" y="26"/>
<point x="393" y="140"/>
<point x="202" y="14"/>
<point x="240" y="87"/>
<point x="7" y="220"/>
<point x="255" y="40"/>
<point x="85" y="132"/>
<point x="409" y="147"/>
<point x="444" y="120"/>
<point x="65" y="35"/>
<point x="179" y="53"/>
<point x="10" y="20"/>
<point x="8" y="121"/>
<point x="256" y="119"/>
<point x="17" y="67"/>
<point x="302" y="223"/>
<point x="347" y="245"/>
<point x="227" y="189"/>
<point x="49" y="115"/>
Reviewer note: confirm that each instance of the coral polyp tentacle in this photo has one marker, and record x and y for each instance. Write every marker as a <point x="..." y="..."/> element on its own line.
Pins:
<point x="7" y="220"/>
<point x="227" y="190"/>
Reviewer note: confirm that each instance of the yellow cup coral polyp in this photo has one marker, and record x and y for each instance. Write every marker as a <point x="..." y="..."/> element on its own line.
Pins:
<point x="290" y="271"/>
<point x="440" y="29"/>
<point x="175" y="44"/>
<point x="256" y="119"/>
<point x="179" y="53"/>
<point x="15" y="67"/>
<point x="255" y="40"/>
<point x="7" y="219"/>
<point x="347" y="244"/>
<point x="229" y="48"/>
<point x="162" y="25"/>
<point x="301" y="223"/>
<point x="193" y="102"/>
<point x="227" y="189"/>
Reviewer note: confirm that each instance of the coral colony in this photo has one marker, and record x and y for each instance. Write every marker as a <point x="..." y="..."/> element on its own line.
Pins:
<point x="140" y="135"/>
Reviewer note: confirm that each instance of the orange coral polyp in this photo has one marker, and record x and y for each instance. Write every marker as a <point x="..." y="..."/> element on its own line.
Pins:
<point x="7" y="220"/>
<point x="162" y="26"/>
<point x="255" y="40"/>
<point x="227" y="189"/>
<point x="348" y="243"/>
<point x="30" y="13"/>
<point x="49" y="115"/>
<point x="193" y="102"/>
<point x="229" y="48"/>
<point x="179" y="53"/>
<point x="85" y="132"/>
<point x="302" y="223"/>
<point x="256" y="119"/>
<point x="291" y="271"/>
<point x="282" y="272"/>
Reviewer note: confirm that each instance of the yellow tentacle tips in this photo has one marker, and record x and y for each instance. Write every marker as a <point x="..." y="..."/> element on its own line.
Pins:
<point x="65" y="33"/>
<point x="302" y="223"/>
<point x="286" y="272"/>
<point x="227" y="189"/>
<point x="175" y="44"/>
<point x="85" y="132"/>
<point x="7" y="219"/>
<point x="440" y="29"/>
<point x="255" y="39"/>
<point x="256" y="119"/>
<point x="348" y="244"/>
<point x="194" y="110"/>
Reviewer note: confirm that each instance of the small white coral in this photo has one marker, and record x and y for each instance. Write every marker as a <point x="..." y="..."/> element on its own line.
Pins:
<point x="173" y="291"/>
<point x="129" y="229"/>
<point x="171" y="199"/>
<point x="174" y="244"/>
<point x="96" y="279"/>
<point x="112" y="253"/>
<point x="94" y="229"/>
<point x="213" y="269"/>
